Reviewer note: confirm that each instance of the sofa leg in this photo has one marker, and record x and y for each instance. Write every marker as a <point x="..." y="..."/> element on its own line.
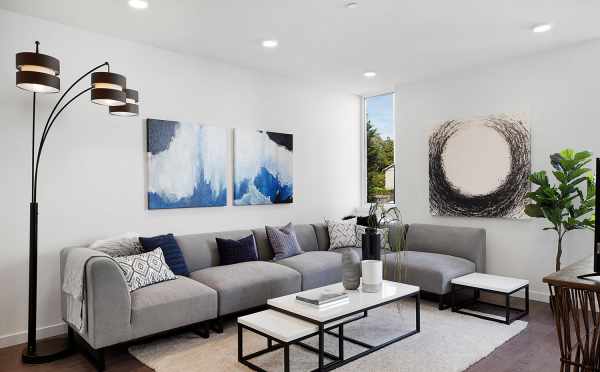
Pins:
<point x="202" y="330"/>
<point x="443" y="305"/>
<point x="98" y="359"/>
<point x="95" y="356"/>
<point x="217" y="325"/>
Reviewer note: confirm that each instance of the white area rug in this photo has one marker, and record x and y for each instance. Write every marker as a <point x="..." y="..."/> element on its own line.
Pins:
<point x="448" y="342"/>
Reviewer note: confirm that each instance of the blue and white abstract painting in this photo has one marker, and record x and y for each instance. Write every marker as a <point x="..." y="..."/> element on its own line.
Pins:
<point x="186" y="165"/>
<point x="263" y="167"/>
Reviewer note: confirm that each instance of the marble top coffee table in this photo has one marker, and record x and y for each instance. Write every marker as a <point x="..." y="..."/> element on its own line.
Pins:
<point x="502" y="285"/>
<point x="288" y="321"/>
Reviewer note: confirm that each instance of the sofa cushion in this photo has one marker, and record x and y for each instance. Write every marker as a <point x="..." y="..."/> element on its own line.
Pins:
<point x="232" y="251"/>
<point x="248" y="284"/>
<point x="170" y="249"/>
<point x="200" y="250"/>
<point x="171" y="304"/>
<point x="306" y="235"/>
<point x="283" y="241"/>
<point x="465" y="242"/>
<point x="355" y="249"/>
<point x="430" y="271"/>
<point x="318" y="268"/>
<point x="322" y="235"/>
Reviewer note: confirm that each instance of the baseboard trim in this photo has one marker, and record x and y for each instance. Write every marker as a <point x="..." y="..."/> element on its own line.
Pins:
<point x="42" y="332"/>
<point x="541" y="296"/>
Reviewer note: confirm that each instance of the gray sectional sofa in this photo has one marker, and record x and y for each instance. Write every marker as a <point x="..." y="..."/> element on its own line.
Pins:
<point x="435" y="254"/>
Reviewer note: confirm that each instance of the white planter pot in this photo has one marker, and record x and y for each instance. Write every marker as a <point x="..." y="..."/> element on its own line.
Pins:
<point x="372" y="275"/>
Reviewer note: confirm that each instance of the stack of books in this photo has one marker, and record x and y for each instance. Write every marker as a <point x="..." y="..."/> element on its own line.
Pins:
<point x="323" y="300"/>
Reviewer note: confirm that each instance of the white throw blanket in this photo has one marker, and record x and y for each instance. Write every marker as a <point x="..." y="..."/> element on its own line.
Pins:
<point x="74" y="285"/>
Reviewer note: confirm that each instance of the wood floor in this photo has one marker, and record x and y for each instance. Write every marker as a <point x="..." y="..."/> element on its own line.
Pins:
<point x="533" y="350"/>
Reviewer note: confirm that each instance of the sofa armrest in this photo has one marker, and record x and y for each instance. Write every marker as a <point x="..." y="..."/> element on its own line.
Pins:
<point x="108" y="301"/>
<point x="465" y="242"/>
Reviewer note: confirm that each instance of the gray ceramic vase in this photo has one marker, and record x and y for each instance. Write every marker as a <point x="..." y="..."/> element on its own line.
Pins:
<point x="350" y="270"/>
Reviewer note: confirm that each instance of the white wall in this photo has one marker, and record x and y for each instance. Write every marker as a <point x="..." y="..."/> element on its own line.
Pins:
<point x="93" y="169"/>
<point x="559" y="92"/>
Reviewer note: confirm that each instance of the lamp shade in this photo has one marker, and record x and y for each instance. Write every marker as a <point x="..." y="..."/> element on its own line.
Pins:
<point x="108" y="89"/>
<point x="130" y="108"/>
<point x="37" y="72"/>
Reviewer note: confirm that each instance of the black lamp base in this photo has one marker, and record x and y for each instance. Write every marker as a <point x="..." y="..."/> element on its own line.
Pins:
<point x="48" y="350"/>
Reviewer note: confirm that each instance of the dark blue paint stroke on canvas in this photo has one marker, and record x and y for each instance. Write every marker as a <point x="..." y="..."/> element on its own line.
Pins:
<point x="271" y="182"/>
<point x="207" y="191"/>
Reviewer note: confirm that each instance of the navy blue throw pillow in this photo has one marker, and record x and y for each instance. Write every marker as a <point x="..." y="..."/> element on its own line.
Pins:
<point x="236" y="251"/>
<point x="171" y="251"/>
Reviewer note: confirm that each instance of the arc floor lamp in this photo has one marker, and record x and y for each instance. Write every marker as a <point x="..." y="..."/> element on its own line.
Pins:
<point x="39" y="73"/>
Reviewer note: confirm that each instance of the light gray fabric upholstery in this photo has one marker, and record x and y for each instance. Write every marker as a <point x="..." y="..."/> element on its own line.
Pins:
<point x="200" y="250"/>
<point x="248" y="284"/>
<point x="306" y="237"/>
<point x="108" y="303"/>
<point x="322" y="235"/>
<point x="435" y="255"/>
<point x="432" y="272"/>
<point x="265" y="253"/>
<point x="355" y="249"/>
<point x="464" y="242"/>
<point x="171" y="304"/>
<point x="317" y="268"/>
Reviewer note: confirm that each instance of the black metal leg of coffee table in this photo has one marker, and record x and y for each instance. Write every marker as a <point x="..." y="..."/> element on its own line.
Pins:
<point x="341" y="341"/>
<point x="321" y="347"/>
<point x="286" y="358"/>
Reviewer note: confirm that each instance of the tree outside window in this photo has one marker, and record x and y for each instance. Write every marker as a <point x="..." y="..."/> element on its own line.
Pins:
<point x="380" y="148"/>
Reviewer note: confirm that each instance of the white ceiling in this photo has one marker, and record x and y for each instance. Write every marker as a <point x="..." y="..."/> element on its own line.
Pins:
<point x="402" y="40"/>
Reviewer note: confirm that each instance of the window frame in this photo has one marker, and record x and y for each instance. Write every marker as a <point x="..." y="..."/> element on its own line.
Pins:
<point x="363" y="148"/>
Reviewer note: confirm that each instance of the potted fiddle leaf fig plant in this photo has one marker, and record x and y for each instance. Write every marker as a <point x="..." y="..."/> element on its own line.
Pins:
<point x="568" y="204"/>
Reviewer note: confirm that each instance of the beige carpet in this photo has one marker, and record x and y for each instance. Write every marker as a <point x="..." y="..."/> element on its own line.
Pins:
<point x="448" y="342"/>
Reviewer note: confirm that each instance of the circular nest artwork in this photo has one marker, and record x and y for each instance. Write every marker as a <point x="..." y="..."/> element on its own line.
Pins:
<point x="507" y="198"/>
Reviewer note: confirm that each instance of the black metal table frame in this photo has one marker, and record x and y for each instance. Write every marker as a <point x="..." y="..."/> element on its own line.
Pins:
<point x="456" y="308"/>
<point x="337" y="360"/>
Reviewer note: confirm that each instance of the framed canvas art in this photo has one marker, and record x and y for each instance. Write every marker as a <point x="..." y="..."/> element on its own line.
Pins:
<point x="263" y="167"/>
<point x="480" y="167"/>
<point x="186" y="165"/>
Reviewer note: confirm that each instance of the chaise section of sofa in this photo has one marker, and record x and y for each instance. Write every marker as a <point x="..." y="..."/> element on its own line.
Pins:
<point x="436" y="254"/>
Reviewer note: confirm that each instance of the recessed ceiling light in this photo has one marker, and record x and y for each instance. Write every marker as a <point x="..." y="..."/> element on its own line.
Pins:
<point x="351" y="4"/>
<point x="270" y="43"/>
<point x="542" y="28"/>
<point x="370" y="74"/>
<point x="138" y="4"/>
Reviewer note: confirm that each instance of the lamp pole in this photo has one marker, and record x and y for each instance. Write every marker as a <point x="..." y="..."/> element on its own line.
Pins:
<point x="39" y="73"/>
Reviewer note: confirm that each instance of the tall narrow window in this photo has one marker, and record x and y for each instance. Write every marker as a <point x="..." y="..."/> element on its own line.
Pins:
<point x="379" y="148"/>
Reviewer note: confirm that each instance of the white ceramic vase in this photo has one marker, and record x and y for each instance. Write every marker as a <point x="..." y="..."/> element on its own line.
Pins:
<point x="372" y="275"/>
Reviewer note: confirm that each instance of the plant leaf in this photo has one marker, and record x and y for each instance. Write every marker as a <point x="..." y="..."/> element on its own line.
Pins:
<point x="533" y="210"/>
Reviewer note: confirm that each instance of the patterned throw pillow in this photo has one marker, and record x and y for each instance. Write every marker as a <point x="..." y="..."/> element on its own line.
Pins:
<point x="283" y="241"/>
<point x="144" y="269"/>
<point x="383" y="236"/>
<point x="341" y="233"/>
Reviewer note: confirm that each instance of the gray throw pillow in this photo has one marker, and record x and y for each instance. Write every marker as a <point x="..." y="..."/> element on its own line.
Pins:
<point x="283" y="241"/>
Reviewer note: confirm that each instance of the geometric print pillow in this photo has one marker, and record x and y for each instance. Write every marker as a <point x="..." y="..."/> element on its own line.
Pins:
<point x="144" y="269"/>
<point x="341" y="233"/>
